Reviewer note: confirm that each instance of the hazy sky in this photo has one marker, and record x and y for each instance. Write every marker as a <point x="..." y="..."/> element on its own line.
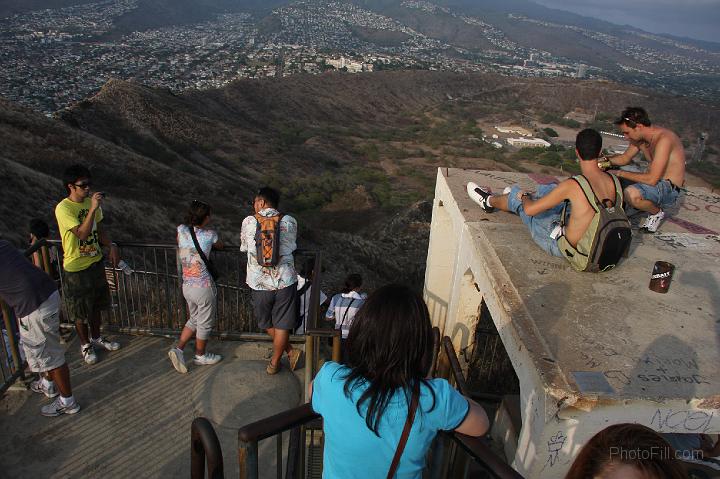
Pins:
<point x="698" y="19"/>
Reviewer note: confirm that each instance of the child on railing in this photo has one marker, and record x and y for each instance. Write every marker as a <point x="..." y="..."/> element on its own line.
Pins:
<point x="382" y="402"/>
<point x="195" y="241"/>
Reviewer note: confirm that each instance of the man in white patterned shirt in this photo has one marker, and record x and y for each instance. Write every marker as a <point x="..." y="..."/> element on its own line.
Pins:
<point x="274" y="290"/>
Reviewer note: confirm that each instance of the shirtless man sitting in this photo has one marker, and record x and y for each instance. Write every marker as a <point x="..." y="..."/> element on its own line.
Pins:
<point x="542" y="211"/>
<point x="659" y="187"/>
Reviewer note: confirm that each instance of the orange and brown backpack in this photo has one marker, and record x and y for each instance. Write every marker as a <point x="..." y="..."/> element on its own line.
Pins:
<point x="267" y="239"/>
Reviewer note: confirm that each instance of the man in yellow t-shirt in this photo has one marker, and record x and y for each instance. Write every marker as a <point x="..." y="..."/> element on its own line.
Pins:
<point x="86" y="293"/>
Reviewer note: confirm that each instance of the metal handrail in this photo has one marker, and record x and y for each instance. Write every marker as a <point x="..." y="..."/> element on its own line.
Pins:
<point x="455" y="366"/>
<point x="435" y="351"/>
<point x="481" y="453"/>
<point x="250" y="435"/>
<point x="204" y="444"/>
<point x="475" y="446"/>
<point x="281" y="422"/>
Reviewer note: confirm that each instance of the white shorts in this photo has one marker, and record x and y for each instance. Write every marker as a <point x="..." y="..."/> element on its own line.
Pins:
<point x="202" y="303"/>
<point x="40" y="333"/>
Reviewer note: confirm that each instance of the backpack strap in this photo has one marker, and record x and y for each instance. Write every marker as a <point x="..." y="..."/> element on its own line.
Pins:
<point x="619" y="193"/>
<point x="563" y="215"/>
<point x="259" y="217"/>
<point x="342" y="323"/>
<point x="588" y="191"/>
<point x="406" y="430"/>
<point x="199" y="250"/>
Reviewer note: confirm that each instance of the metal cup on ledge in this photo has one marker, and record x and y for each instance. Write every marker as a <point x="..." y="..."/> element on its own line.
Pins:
<point x="662" y="274"/>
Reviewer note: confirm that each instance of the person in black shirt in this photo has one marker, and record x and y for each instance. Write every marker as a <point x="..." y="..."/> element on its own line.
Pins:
<point x="34" y="298"/>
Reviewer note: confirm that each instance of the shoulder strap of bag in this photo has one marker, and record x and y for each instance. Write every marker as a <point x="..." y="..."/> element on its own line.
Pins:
<point x="406" y="430"/>
<point x="197" y="247"/>
<point x="590" y="195"/>
<point x="619" y="194"/>
<point x="342" y="323"/>
<point x="304" y="287"/>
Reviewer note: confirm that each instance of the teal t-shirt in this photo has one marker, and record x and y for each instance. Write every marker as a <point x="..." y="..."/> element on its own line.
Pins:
<point x="354" y="451"/>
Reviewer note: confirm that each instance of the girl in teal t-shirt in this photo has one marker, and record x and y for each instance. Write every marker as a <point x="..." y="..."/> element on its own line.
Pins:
<point x="365" y="403"/>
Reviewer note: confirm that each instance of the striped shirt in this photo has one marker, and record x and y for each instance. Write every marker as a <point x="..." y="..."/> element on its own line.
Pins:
<point x="343" y="308"/>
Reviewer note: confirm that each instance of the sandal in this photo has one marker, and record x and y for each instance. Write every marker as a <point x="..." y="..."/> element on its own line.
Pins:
<point x="272" y="368"/>
<point x="294" y="356"/>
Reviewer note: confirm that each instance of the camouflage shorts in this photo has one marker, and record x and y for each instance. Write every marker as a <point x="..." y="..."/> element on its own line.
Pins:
<point x="86" y="292"/>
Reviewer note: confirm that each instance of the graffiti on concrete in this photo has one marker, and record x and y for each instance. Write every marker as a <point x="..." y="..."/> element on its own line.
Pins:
<point x="554" y="446"/>
<point x="665" y="420"/>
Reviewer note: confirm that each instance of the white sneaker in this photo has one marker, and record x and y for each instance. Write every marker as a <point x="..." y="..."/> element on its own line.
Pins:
<point x="57" y="408"/>
<point x="88" y="353"/>
<point x="38" y="387"/>
<point x="507" y="190"/>
<point x="207" y="359"/>
<point x="479" y="196"/>
<point x="178" y="360"/>
<point x="103" y="342"/>
<point x="652" y="222"/>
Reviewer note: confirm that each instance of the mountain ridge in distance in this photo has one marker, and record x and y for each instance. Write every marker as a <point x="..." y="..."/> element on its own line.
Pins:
<point x="350" y="152"/>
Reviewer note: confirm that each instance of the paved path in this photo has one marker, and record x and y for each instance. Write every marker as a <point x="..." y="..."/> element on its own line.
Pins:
<point x="136" y="413"/>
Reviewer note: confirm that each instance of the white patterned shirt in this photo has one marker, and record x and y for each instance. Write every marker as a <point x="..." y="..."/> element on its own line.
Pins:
<point x="270" y="278"/>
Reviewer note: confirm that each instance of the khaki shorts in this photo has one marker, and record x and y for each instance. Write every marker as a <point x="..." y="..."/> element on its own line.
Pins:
<point x="86" y="292"/>
<point x="40" y="333"/>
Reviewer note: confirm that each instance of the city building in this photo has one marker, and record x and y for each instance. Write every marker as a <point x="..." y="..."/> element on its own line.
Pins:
<point x="527" y="142"/>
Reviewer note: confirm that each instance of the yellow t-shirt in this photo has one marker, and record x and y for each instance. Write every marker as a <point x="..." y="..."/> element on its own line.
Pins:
<point x="79" y="254"/>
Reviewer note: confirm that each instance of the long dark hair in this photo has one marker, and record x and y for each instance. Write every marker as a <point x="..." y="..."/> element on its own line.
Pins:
<point x="196" y="213"/>
<point x="630" y="444"/>
<point x="389" y="348"/>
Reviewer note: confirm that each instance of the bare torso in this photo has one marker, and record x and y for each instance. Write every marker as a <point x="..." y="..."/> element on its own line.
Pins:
<point x="582" y="212"/>
<point x="675" y="169"/>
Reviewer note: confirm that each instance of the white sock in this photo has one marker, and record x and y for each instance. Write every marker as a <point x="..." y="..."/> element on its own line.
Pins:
<point x="66" y="401"/>
<point x="46" y="383"/>
<point x="488" y="201"/>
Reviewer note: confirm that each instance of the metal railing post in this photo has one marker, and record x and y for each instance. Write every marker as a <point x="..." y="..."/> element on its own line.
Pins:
<point x="291" y="468"/>
<point x="337" y="346"/>
<point x="204" y="443"/>
<point x="248" y="459"/>
<point x="309" y="363"/>
<point x="46" y="259"/>
<point x="278" y="458"/>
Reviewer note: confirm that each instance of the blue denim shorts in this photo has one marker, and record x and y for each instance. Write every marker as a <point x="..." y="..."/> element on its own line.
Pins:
<point x="663" y="195"/>
<point x="542" y="224"/>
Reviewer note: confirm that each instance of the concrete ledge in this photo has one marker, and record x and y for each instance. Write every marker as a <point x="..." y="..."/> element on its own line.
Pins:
<point x="589" y="349"/>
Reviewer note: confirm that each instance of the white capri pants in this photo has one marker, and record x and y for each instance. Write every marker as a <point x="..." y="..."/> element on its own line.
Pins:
<point x="202" y="303"/>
